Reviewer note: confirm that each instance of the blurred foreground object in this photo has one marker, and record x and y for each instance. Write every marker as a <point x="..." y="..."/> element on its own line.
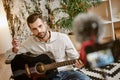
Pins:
<point x="86" y="25"/>
<point x="88" y="29"/>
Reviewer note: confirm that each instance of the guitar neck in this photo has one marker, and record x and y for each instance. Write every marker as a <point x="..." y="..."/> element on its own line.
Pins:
<point x="59" y="64"/>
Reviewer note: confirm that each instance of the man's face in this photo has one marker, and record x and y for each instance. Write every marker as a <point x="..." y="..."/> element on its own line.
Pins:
<point x="38" y="28"/>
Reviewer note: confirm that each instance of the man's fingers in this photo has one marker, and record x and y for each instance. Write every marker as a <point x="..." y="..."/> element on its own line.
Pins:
<point x="15" y="42"/>
<point x="79" y="64"/>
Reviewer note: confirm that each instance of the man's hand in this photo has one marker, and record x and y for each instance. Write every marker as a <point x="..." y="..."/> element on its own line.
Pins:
<point x="79" y="64"/>
<point x="15" y="44"/>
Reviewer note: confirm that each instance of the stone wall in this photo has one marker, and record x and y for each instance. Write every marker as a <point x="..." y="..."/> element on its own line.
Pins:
<point x="17" y="12"/>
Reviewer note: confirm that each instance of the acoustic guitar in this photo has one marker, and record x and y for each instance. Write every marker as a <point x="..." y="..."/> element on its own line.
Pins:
<point x="41" y="67"/>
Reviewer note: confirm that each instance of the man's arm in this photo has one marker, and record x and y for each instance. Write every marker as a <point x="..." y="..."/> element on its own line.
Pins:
<point x="10" y="54"/>
<point x="70" y="49"/>
<point x="72" y="52"/>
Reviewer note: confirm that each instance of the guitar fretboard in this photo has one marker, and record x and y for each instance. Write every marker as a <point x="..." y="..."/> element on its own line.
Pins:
<point x="58" y="64"/>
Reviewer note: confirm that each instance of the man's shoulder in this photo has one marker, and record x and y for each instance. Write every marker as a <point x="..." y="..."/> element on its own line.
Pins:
<point x="59" y="34"/>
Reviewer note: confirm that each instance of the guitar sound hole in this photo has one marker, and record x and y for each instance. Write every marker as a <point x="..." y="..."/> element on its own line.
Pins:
<point x="40" y="68"/>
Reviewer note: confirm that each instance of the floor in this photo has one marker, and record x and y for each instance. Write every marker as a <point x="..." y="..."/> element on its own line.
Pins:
<point x="5" y="70"/>
<point x="108" y="72"/>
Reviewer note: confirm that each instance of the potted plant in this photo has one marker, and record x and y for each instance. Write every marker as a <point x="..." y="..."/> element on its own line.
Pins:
<point x="72" y="8"/>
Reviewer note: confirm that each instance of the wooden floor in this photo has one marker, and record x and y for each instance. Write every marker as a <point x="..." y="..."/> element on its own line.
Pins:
<point x="5" y="70"/>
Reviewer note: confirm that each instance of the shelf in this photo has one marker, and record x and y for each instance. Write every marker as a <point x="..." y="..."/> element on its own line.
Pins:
<point x="116" y="25"/>
<point x="102" y="10"/>
<point x="107" y="22"/>
<point x="117" y="32"/>
<point x="108" y="31"/>
<point x="107" y="39"/>
<point x="115" y="5"/>
<point x="109" y="11"/>
<point x="116" y="19"/>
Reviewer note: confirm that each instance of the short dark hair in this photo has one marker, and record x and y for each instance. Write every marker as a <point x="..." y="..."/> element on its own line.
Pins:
<point x="33" y="17"/>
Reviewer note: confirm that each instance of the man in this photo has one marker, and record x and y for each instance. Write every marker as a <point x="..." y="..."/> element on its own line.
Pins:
<point x="44" y="40"/>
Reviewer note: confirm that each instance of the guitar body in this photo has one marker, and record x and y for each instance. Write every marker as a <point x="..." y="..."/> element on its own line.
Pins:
<point x="18" y="67"/>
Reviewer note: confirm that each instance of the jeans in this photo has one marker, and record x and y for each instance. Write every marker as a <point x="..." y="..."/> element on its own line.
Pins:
<point x="71" y="75"/>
